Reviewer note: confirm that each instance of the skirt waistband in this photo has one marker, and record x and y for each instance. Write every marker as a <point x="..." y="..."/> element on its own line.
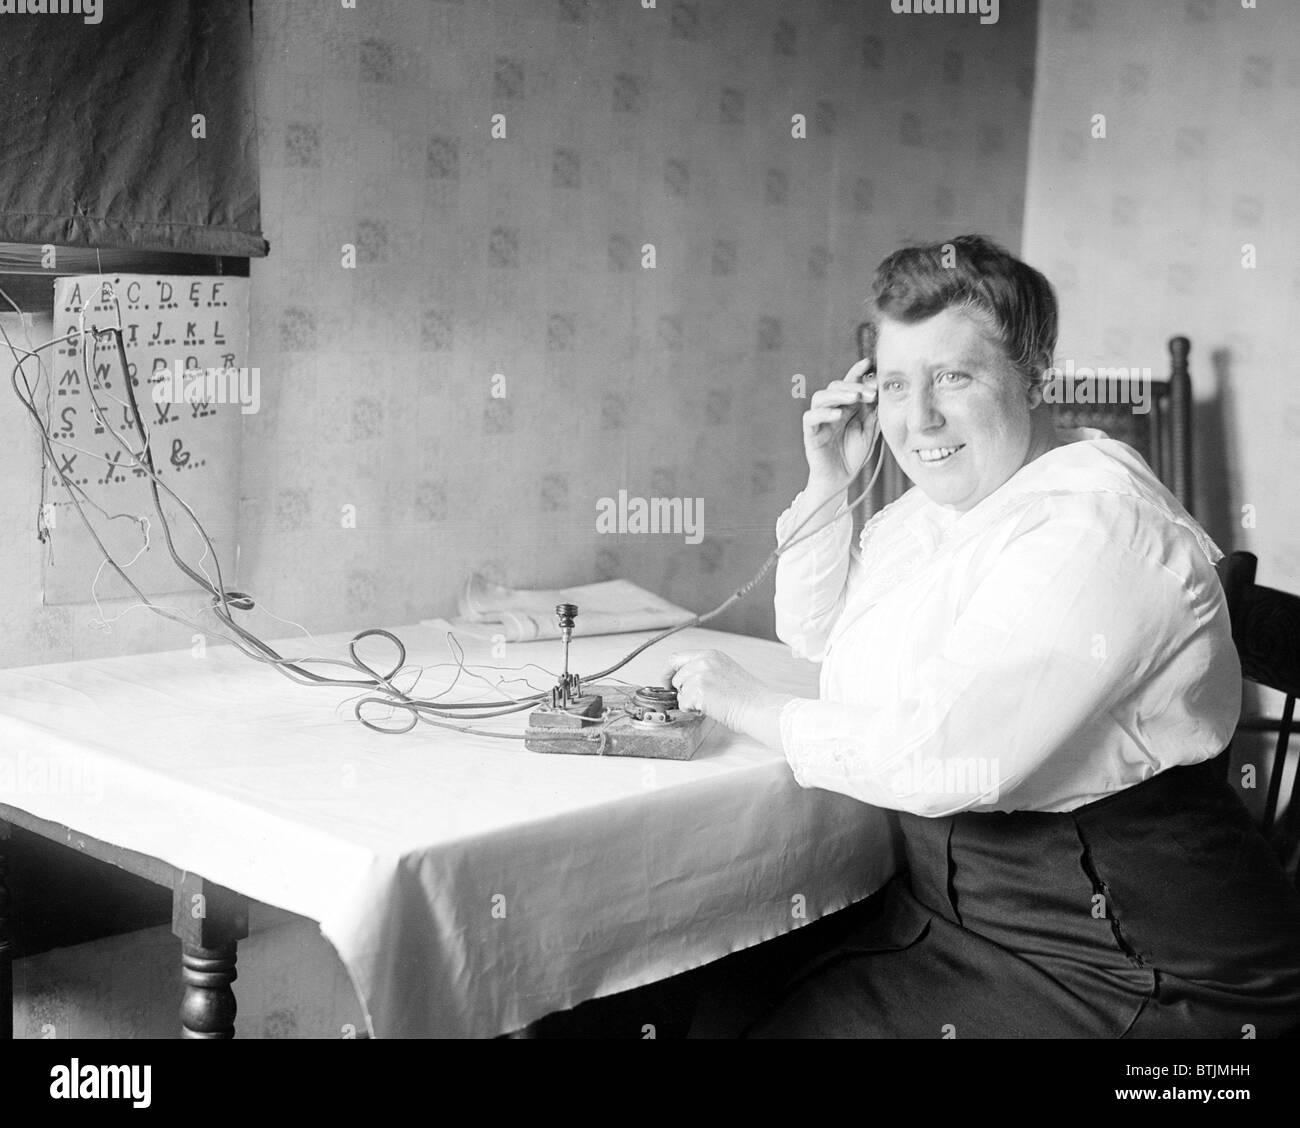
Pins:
<point x="1170" y="873"/>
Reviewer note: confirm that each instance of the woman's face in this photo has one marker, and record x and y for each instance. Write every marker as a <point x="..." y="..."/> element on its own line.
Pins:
<point x="952" y="408"/>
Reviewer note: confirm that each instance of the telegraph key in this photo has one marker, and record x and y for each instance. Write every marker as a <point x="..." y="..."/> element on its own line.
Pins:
<point x="647" y="722"/>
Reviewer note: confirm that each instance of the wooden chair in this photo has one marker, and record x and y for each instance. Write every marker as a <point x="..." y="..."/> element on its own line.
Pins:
<point x="1266" y="630"/>
<point x="1163" y="435"/>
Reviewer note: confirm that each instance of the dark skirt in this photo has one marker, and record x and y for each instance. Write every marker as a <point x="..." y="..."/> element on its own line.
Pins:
<point x="1159" y="911"/>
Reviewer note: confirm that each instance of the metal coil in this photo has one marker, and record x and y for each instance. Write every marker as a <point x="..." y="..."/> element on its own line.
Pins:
<point x="655" y="704"/>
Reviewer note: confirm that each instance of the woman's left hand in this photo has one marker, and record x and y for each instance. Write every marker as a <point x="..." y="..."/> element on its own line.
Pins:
<point x="721" y="688"/>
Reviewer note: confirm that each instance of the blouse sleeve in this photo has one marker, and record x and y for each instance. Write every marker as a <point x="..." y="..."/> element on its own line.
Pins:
<point x="811" y="579"/>
<point x="1064" y="624"/>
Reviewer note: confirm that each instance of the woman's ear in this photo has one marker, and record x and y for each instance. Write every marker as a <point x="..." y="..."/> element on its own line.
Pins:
<point x="1034" y="390"/>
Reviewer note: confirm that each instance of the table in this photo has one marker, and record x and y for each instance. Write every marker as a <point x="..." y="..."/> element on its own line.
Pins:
<point x="469" y="886"/>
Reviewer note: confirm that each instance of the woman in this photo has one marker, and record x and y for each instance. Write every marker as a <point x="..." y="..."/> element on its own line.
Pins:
<point x="1029" y="659"/>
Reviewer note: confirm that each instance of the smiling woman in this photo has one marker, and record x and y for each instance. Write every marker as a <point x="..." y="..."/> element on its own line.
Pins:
<point x="1029" y="659"/>
<point x="960" y="355"/>
<point x="953" y="409"/>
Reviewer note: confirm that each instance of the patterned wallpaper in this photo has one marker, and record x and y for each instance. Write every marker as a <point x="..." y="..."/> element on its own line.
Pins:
<point x="1145" y="232"/>
<point x="497" y="357"/>
<point x="501" y="358"/>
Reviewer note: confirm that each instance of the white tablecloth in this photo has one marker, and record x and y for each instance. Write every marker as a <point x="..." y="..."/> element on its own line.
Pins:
<point x="470" y="886"/>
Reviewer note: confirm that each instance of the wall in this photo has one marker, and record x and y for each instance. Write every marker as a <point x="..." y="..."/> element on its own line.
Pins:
<point x="1142" y="231"/>
<point x="522" y="257"/>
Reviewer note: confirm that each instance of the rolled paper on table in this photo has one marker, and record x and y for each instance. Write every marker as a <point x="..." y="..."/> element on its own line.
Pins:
<point x="610" y="607"/>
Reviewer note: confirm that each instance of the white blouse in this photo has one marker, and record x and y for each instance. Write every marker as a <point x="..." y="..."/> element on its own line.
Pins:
<point x="1062" y="640"/>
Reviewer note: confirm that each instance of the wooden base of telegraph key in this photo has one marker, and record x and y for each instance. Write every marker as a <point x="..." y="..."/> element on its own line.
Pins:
<point x="646" y="722"/>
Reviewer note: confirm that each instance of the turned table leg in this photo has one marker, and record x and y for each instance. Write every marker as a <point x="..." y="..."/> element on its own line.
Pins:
<point x="209" y="921"/>
<point x="6" y="942"/>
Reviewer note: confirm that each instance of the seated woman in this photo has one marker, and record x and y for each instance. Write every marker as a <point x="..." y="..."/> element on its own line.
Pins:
<point x="1029" y="659"/>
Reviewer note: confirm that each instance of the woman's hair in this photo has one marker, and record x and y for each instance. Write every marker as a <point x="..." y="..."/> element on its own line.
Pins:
<point x="1012" y="301"/>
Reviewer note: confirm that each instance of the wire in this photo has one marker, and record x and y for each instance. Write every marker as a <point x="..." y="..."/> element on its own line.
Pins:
<point x="768" y="564"/>
<point x="378" y="685"/>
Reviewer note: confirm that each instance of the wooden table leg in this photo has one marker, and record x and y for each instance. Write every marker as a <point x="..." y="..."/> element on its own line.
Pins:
<point x="6" y="942"/>
<point x="209" y="921"/>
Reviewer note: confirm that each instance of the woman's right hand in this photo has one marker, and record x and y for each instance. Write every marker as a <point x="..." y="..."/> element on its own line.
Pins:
<point x="837" y="428"/>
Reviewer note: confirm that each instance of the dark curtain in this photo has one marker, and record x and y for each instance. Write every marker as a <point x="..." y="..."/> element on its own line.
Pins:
<point x="97" y="144"/>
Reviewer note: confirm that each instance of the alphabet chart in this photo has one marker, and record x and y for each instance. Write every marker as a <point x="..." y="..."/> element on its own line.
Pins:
<point x="171" y="324"/>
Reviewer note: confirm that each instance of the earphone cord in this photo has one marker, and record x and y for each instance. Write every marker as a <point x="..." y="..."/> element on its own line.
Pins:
<point x="793" y="539"/>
